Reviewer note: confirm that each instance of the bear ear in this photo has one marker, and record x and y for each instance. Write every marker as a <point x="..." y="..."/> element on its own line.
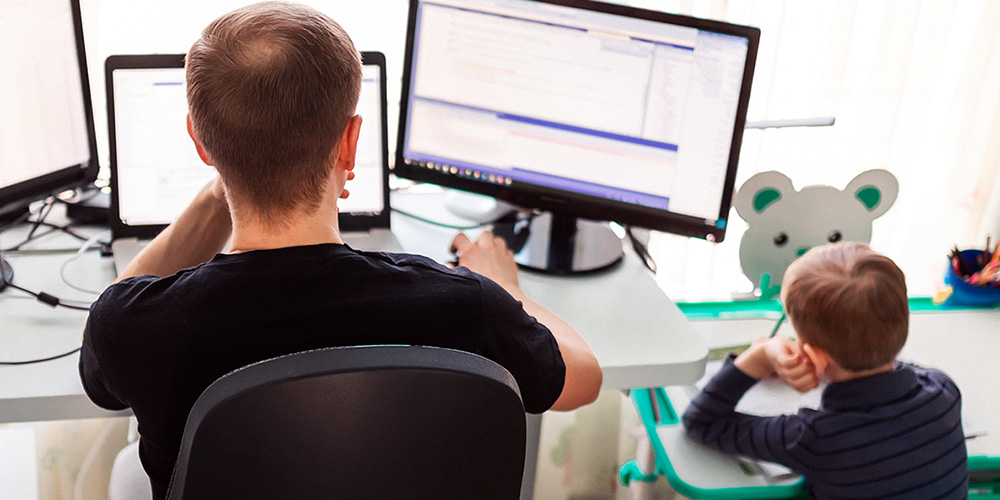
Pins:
<point x="875" y="189"/>
<point x="759" y="192"/>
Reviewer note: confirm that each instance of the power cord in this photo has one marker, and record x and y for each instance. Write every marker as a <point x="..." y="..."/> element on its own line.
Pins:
<point x="437" y="223"/>
<point x="83" y="249"/>
<point x="6" y="276"/>
<point x="52" y="228"/>
<point x="7" y="280"/>
<point x="640" y="250"/>
<point x="40" y="360"/>
<point x="52" y="300"/>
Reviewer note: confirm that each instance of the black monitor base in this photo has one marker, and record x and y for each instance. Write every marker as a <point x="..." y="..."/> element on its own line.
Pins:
<point x="561" y="245"/>
<point x="6" y="273"/>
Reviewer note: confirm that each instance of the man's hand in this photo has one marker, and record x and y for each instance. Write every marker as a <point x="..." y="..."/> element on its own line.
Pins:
<point x="779" y="357"/>
<point x="489" y="257"/>
<point x="217" y="189"/>
<point x="196" y="236"/>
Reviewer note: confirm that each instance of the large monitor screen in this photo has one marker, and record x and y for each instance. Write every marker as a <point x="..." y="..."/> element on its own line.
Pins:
<point x="586" y="109"/>
<point x="46" y="131"/>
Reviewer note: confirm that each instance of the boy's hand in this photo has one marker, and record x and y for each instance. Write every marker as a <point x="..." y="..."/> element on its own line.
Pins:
<point x="791" y="365"/>
<point x="782" y="358"/>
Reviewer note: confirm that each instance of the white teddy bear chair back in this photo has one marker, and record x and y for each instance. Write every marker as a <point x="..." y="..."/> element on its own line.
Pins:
<point x="784" y="223"/>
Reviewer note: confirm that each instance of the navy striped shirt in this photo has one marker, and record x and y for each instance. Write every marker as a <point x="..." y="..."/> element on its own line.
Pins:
<point x="893" y="435"/>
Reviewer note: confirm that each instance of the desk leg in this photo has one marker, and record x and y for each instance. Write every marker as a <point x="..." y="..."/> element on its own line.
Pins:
<point x="532" y="437"/>
<point x="645" y="458"/>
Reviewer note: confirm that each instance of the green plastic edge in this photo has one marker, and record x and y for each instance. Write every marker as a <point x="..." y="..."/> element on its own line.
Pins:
<point x="642" y="403"/>
<point x="771" y="309"/>
<point x="989" y="489"/>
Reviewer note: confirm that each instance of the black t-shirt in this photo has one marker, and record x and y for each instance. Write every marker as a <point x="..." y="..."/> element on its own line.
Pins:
<point x="154" y="344"/>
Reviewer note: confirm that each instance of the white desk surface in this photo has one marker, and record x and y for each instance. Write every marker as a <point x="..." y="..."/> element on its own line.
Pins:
<point x="963" y="344"/>
<point x="639" y="336"/>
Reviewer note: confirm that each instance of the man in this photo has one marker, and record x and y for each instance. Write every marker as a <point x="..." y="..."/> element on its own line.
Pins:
<point x="272" y="90"/>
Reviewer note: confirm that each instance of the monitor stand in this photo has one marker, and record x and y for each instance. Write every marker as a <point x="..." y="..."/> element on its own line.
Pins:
<point x="559" y="244"/>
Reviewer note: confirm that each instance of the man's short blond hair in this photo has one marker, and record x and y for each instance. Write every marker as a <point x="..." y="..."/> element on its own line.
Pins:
<point x="849" y="301"/>
<point x="270" y="88"/>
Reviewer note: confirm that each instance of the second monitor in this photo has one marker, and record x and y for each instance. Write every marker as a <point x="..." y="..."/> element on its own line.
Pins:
<point x="582" y="109"/>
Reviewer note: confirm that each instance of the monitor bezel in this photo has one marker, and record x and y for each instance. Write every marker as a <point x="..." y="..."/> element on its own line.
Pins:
<point x="18" y="195"/>
<point x="587" y="206"/>
<point x="119" y="229"/>
<point x="346" y="221"/>
<point x="381" y="219"/>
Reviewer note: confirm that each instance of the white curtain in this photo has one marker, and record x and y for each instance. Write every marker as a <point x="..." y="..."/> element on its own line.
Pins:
<point x="915" y="89"/>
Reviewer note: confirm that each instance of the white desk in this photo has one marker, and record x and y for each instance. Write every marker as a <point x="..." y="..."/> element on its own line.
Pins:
<point x="640" y="338"/>
<point x="30" y="330"/>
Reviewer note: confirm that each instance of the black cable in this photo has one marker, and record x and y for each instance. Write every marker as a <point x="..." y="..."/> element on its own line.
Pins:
<point x="5" y="281"/>
<point x="65" y="229"/>
<point x="32" y="234"/>
<point x="436" y="223"/>
<point x="49" y="299"/>
<point x="641" y="250"/>
<point x="29" y="239"/>
<point x="52" y="228"/>
<point x="40" y="360"/>
<point x="42" y="214"/>
<point x="20" y="218"/>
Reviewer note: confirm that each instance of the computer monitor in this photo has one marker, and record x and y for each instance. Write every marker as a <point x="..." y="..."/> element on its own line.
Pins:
<point x="47" y="139"/>
<point x="581" y="109"/>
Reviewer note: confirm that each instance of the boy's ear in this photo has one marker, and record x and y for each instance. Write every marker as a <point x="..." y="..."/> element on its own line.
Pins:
<point x="820" y="359"/>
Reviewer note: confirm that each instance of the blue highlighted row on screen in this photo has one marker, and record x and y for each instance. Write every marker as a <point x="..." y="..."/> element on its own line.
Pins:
<point x="558" y="126"/>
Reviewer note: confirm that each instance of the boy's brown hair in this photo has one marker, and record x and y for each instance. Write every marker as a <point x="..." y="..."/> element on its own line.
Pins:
<point x="271" y="87"/>
<point x="849" y="301"/>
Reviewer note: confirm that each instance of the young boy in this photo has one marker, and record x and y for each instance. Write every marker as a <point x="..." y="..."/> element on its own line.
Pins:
<point x="885" y="429"/>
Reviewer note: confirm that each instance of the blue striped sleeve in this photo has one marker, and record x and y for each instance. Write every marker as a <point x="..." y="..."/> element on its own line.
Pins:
<point x="712" y="419"/>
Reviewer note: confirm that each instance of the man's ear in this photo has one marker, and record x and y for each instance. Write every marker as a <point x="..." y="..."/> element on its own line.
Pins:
<point x="197" y="144"/>
<point x="348" y="147"/>
<point x="820" y="359"/>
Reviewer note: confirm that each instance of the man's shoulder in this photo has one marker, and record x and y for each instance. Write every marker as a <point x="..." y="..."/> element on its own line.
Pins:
<point x="428" y="268"/>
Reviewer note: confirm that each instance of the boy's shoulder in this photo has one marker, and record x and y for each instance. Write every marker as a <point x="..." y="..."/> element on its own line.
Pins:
<point x="929" y="375"/>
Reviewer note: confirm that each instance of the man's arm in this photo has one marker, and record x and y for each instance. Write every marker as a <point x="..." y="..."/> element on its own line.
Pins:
<point x="489" y="257"/>
<point x="195" y="237"/>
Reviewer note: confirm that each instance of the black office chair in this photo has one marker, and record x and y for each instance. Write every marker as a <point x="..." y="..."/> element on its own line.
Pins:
<point x="380" y="422"/>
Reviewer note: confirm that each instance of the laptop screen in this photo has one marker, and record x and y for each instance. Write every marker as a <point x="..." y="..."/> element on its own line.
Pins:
<point x="159" y="172"/>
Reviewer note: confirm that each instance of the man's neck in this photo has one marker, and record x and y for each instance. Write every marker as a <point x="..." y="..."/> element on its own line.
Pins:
<point x="250" y="233"/>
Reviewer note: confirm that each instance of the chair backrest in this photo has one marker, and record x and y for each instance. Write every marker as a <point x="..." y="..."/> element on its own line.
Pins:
<point x="356" y="422"/>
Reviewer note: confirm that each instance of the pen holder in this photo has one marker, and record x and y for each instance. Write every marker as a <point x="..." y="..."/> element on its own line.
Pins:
<point x="964" y="294"/>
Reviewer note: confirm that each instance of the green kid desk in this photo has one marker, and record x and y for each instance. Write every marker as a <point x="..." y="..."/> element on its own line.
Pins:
<point x="961" y="342"/>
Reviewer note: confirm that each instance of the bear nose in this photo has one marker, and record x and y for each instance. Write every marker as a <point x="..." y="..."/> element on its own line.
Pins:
<point x="802" y="251"/>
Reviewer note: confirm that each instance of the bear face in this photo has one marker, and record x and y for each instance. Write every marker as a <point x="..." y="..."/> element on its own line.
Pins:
<point x="783" y="224"/>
